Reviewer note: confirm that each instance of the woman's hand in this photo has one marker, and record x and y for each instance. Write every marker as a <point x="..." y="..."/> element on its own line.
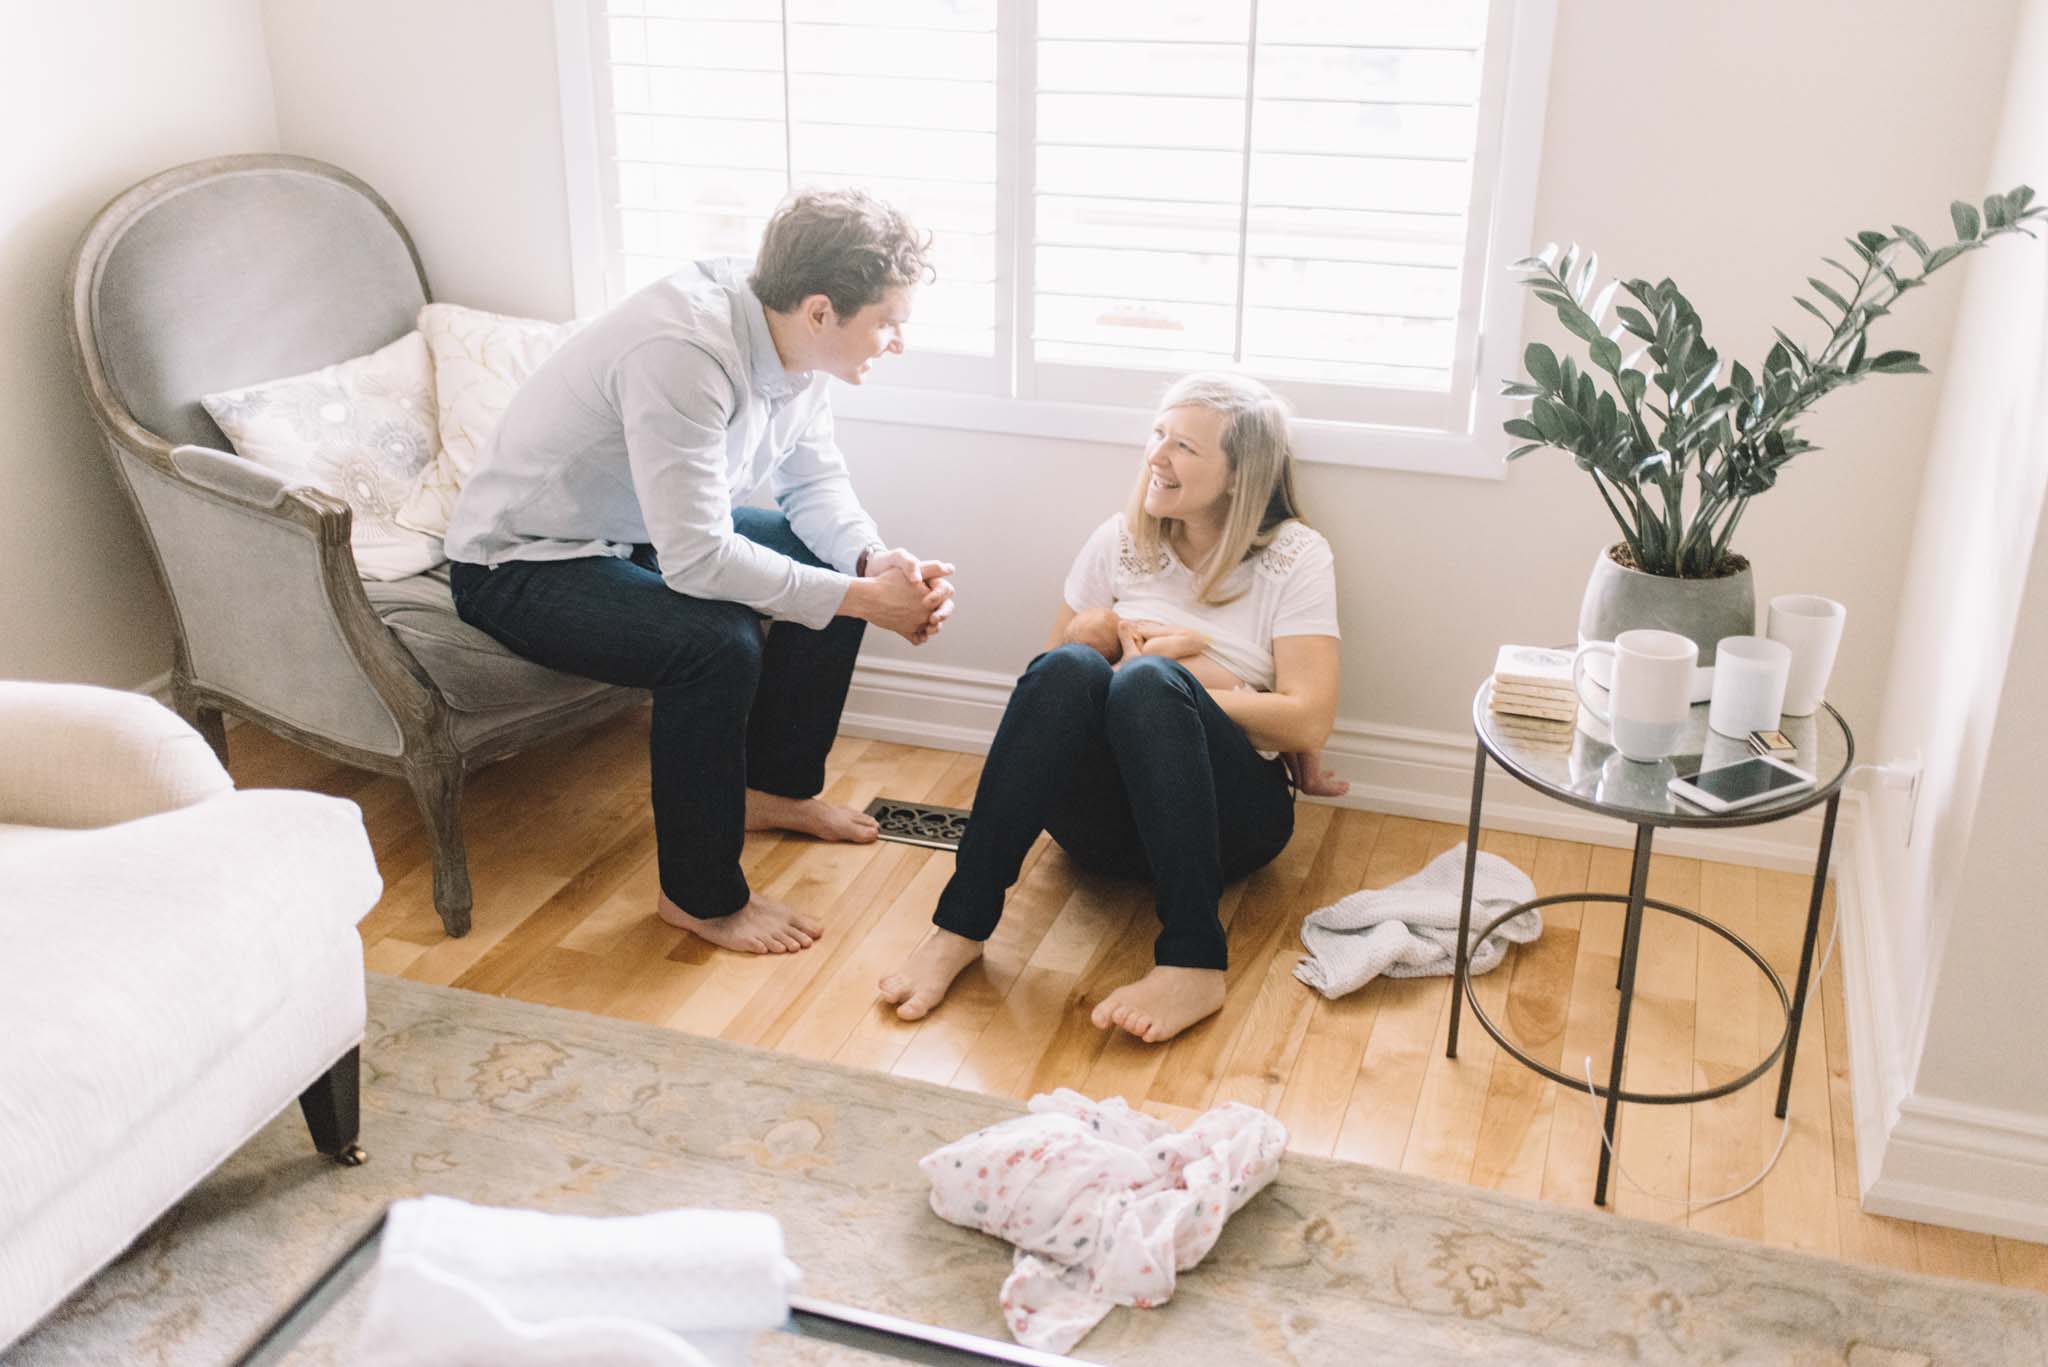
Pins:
<point x="1132" y="635"/>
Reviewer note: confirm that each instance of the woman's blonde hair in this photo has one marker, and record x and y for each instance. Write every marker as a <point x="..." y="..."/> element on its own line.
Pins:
<point x="1261" y="489"/>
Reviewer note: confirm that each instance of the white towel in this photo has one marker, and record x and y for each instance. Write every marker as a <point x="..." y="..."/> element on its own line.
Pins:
<point x="459" y="1283"/>
<point x="1104" y="1204"/>
<point x="1410" y="930"/>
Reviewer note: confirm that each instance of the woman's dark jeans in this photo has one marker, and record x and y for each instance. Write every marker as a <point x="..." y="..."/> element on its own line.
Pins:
<point x="732" y="711"/>
<point x="1134" y="771"/>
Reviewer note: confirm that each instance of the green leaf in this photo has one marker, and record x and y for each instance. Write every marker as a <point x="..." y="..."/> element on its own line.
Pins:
<point x="1872" y="239"/>
<point x="1808" y="306"/>
<point x="1632" y="385"/>
<point x="1829" y="293"/>
<point x="1911" y="239"/>
<point x="1515" y="389"/>
<point x="1941" y="257"/>
<point x="1521" y="451"/>
<point x="2020" y="196"/>
<point x="1578" y="324"/>
<point x="1897" y="363"/>
<point x="1994" y="212"/>
<point x="1965" y="219"/>
<point x="1541" y="363"/>
<point x="1523" y="428"/>
<point x="1842" y="268"/>
<point x="1744" y="382"/>
<point x="1856" y="356"/>
<point x="1635" y="322"/>
<point x="1548" y="425"/>
<point x="1606" y="354"/>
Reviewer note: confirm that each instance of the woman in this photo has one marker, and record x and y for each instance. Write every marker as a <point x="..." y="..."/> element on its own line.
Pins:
<point x="1142" y="767"/>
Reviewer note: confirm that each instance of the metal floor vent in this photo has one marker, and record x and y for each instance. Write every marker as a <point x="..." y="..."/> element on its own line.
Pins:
<point x="920" y="823"/>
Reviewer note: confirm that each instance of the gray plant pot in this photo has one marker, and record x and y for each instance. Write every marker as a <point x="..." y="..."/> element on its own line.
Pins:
<point x="1619" y="599"/>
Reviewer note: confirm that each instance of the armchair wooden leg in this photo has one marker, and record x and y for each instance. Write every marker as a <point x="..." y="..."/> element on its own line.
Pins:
<point x="333" y="1111"/>
<point x="207" y="721"/>
<point x="437" y="788"/>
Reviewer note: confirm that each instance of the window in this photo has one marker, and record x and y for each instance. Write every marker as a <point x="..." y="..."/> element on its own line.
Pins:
<point x="1317" y="191"/>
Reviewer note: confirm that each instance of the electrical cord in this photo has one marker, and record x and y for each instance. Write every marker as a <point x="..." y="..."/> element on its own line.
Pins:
<point x="1886" y="771"/>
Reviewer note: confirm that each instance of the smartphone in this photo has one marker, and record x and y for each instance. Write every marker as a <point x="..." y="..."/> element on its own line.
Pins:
<point x="1741" y="784"/>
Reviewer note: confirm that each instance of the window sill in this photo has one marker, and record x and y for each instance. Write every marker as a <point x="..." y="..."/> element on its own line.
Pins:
<point x="1469" y="455"/>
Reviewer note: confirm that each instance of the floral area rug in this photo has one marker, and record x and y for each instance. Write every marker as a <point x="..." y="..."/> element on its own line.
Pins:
<point x="512" y="1104"/>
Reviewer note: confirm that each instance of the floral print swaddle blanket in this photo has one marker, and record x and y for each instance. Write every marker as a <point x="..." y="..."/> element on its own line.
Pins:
<point x="1104" y="1204"/>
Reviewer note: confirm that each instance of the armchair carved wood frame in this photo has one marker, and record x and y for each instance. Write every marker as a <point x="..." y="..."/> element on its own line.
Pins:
<point x="234" y="271"/>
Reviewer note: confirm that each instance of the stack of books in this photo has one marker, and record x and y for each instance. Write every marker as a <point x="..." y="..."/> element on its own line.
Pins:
<point x="1532" y="698"/>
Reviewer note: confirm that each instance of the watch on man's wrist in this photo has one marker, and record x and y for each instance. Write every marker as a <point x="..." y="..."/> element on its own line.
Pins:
<point x="860" y="566"/>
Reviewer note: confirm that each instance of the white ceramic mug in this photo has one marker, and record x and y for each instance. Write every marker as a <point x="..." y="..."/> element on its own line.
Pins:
<point x="1749" y="685"/>
<point x="1811" y="626"/>
<point x="1651" y="697"/>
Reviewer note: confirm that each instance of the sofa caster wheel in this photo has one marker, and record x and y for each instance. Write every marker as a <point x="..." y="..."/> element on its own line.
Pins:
<point x="352" y="1157"/>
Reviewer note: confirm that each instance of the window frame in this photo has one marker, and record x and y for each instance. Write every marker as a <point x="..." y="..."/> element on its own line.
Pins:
<point x="1505" y="170"/>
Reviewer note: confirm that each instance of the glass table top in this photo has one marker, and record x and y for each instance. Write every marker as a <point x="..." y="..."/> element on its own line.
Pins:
<point x="1590" y="773"/>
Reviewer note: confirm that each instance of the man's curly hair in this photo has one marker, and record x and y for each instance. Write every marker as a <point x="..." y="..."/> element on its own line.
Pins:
<point x="843" y="244"/>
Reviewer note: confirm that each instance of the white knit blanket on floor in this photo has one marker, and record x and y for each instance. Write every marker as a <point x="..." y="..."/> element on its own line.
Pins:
<point x="1410" y="930"/>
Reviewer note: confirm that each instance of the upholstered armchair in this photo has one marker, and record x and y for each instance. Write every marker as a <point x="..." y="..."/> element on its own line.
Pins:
<point x="178" y="961"/>
<point x="236" y="271"/>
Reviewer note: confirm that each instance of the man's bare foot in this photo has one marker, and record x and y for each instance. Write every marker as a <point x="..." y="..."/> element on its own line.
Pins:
<point x="1163" y="1003"/>
<point x="921" y="983"/>
<point x="809" y="816"/>
<point x="759" y="927"/>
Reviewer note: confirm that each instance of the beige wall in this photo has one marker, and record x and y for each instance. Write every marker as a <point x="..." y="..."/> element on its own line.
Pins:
<point x="94" y="96"/>
<point x="1678" y="142"/>
<point x="450" y="110"/>
<point x="1963" y="901"/>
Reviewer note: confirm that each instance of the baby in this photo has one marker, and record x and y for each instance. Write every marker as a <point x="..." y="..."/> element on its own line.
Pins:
<point x="1114" y="638"/>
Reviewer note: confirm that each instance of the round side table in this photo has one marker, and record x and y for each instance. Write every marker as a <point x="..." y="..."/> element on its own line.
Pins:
<point x="1592" y="775"/>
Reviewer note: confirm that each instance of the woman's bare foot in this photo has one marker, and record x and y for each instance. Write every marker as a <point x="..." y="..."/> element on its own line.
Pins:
<point x="1163" y="1003"/>
<point x="809" y="816"/>
<point x="759" y="927"/>
<point x="921" y="983"/>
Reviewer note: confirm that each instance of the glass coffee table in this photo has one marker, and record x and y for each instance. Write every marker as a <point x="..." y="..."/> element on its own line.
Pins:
<point x="885" y="1336"/>
<point x="1592" y="775"/>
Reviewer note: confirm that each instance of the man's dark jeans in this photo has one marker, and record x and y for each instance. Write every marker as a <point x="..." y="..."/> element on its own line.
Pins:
<point x="1134" y="771"/>
<point x="732" y="711"/>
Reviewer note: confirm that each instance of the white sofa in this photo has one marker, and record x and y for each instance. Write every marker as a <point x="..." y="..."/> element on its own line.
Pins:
<point x="178" y="961"/>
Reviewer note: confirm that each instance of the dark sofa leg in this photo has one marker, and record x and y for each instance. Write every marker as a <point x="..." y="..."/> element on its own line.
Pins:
<point x="332" y="1107"/>
<point x="207" y="721"/>
<point x="437" y="789"/>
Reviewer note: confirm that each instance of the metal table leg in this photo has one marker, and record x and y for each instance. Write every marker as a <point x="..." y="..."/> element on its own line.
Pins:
<point x="1820" y="884"/>
<point x="1631" y="936"/>
<point x="1464" y="966"/>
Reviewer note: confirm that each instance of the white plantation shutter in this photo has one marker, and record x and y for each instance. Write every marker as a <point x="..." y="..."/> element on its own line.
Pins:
<point x="1282" y="185"/>
<point x="719" y="107"/>
<point x="1119" y="190"/>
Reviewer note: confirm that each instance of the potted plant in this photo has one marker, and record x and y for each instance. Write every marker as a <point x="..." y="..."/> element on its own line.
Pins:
<point x="1645" y="433"/>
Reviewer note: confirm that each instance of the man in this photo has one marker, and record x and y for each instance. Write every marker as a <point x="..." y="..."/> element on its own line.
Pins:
<point x="599" y="535"/>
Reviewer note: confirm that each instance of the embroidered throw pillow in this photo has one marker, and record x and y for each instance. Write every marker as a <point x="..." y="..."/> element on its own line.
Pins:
<point x="480" y="360"/>
<point x="360" y="430"/>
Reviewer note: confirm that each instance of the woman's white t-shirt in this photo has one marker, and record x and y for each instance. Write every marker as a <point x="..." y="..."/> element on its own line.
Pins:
<point x="1286" y="588"/>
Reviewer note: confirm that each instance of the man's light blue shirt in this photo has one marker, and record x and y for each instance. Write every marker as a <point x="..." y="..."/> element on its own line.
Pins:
<point x="648" y="426"/>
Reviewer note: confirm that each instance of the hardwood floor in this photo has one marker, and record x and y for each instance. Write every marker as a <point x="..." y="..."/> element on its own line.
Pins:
<point x="562" y="859"/>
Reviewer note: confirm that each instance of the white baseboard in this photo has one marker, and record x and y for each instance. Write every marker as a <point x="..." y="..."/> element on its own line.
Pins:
<point x="1972" y="1167"/>
<point x="1399" y="770"/>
